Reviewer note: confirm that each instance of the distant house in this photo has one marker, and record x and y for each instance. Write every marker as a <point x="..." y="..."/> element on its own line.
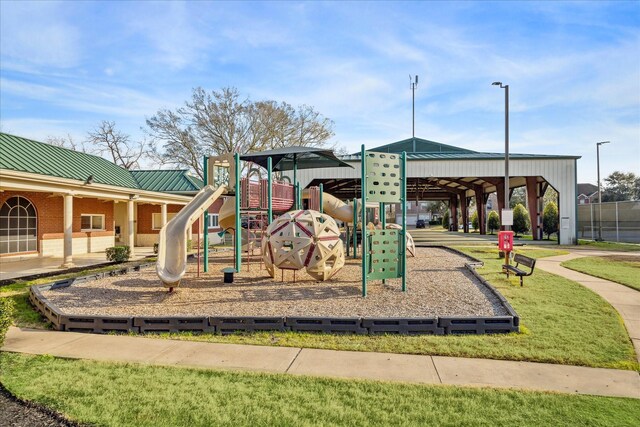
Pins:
<point x="587" y="193"/>
<point x="60" y="202"/>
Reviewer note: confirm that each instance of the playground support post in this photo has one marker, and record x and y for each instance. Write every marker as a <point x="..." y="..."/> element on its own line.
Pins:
<point x="355" y="228"/>
<point x="238" y="225"/>
<point x="206" y="219"/>
<point x="363" y="233"/>
<point x="296" y="201"/>
<point x="403" y="161"/>
<point x="321" y="191"/>
<point x="383" y="222"/>
<point x="348" y="238"/>
<point x="269" y="190"/>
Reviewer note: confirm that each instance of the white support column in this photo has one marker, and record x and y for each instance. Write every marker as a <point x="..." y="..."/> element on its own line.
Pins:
<point x="68" y="232"/>
<point x="163" y="214"/>
<point x="130" y="226"/>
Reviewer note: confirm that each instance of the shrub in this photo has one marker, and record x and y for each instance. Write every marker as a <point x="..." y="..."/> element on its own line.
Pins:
<point x="475" y="223"/>
<point x="6" y="316"/>
<point x="445" y="220"/>
<point x="521" y="223"/>
<point x="550" y="219"/>
<point x="118" y="253"/>
<point x="494" y="222"/>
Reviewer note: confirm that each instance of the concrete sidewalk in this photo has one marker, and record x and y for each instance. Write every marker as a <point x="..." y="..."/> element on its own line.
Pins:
<point x="328" y="363"/>
<point x="624" y="299"/>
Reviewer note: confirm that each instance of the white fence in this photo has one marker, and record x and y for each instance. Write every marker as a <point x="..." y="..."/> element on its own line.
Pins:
<point x="611" y="221"/>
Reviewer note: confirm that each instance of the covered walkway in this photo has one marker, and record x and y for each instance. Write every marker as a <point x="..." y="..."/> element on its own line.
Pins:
<point x="46" y="265"/>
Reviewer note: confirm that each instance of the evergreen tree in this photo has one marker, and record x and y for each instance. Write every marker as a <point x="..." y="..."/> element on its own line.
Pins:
<point x="494" y="221"/>
<point x="474" y="221"/>
<point x="521" y="223"/>
<point x="619" y="187"/>
<point x="550" y="219"/>
<point x="445" y="219"/>
<point x="519" y="196"/>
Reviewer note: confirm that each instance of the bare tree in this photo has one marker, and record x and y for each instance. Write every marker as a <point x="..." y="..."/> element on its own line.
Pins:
<point x="66" y="142"/>
<point x="221" y="122"/>
<point x="107" y="140"/>
<point x="311" y="129"/>
<point x="340" y="150"/>
<point x="179" y="141"/>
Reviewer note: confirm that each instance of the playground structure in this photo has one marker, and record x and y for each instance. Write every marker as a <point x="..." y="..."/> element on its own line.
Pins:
<point x="259" y="200"/>
<point x="303" y="235"/>
<point x="304" y="239"/>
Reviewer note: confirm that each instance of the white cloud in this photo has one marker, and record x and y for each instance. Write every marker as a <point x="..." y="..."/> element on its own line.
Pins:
<point x="38" y="33"/>
<point x="172" y="32"/>
<point x="39" y="129"/>
<point x="87" y="97"/>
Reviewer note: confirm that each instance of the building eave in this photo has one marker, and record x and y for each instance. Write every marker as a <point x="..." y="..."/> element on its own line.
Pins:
<point x="26" y="181"/>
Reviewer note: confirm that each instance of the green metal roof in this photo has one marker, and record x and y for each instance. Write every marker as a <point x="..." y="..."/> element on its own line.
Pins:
<point x="26" y="155"/>
<point x="422" y="149"/>
<point x="167" y="181"/>
<point x="419" y="145"/>
<point x="467" y="156"/>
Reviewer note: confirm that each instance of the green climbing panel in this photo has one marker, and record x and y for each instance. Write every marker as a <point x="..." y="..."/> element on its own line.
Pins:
<point x="384" y="258"/>
<point x="384" y="177"/>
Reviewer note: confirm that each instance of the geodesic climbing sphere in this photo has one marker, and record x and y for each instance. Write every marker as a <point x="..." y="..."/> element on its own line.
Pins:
<point x="411" y="246"/>
<point x="304" y="239"/>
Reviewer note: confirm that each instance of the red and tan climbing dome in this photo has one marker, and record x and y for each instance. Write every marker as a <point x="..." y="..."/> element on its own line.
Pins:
<point x="304" y="239"/>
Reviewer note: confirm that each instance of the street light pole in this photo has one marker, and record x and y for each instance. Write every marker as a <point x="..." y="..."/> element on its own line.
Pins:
<point x="506" y="146"/>
<point x="598" y="144"/>
<point x="413" y="84"/>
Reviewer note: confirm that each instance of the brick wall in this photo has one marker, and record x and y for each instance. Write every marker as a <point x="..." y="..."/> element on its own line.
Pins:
<point x="50" y="212"/>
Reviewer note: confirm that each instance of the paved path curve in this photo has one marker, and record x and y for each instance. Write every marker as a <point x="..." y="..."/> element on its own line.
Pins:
<point x="328" y="363"/>
<point x="624" y="299"/>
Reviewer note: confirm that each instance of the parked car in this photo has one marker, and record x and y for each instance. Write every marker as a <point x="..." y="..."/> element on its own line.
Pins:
<point x="421" y="223"/>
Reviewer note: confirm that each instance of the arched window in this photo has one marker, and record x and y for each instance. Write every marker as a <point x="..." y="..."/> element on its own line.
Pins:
<point x="18" y="226"/>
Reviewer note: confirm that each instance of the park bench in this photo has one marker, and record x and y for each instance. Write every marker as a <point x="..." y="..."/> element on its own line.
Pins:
<point x="520" y="259"/>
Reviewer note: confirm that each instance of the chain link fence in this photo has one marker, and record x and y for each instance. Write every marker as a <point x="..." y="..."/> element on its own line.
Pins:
<point x="611" y="221"/>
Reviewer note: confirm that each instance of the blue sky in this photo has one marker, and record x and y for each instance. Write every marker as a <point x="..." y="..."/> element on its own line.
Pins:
<point x="573" y="69"/>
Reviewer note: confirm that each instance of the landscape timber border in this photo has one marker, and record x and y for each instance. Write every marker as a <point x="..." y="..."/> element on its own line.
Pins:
<point x="442" y="325"/>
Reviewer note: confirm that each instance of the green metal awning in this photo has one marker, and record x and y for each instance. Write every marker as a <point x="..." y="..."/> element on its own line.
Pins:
<point x="304" y="157"/>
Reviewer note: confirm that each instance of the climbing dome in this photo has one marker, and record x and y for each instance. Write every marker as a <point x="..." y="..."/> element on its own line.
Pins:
<point x="304" y="239"/>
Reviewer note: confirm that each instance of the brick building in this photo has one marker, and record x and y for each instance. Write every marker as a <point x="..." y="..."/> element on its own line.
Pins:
<point x="60" y="202"/>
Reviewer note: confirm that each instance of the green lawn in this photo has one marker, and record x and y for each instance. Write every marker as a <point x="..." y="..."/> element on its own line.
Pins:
<point x="610" y="246"/>
<point x="136" y="395"/>
<point x="561" y="322"/>
<point x="617" y="268"/>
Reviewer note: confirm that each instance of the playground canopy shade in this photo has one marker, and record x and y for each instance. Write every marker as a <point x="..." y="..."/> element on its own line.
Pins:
<point x="304" y="158"/>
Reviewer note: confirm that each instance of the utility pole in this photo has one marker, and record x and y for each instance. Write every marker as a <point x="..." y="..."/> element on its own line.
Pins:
<point x="507" y="205"/>
<point x="413" y="84"/>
